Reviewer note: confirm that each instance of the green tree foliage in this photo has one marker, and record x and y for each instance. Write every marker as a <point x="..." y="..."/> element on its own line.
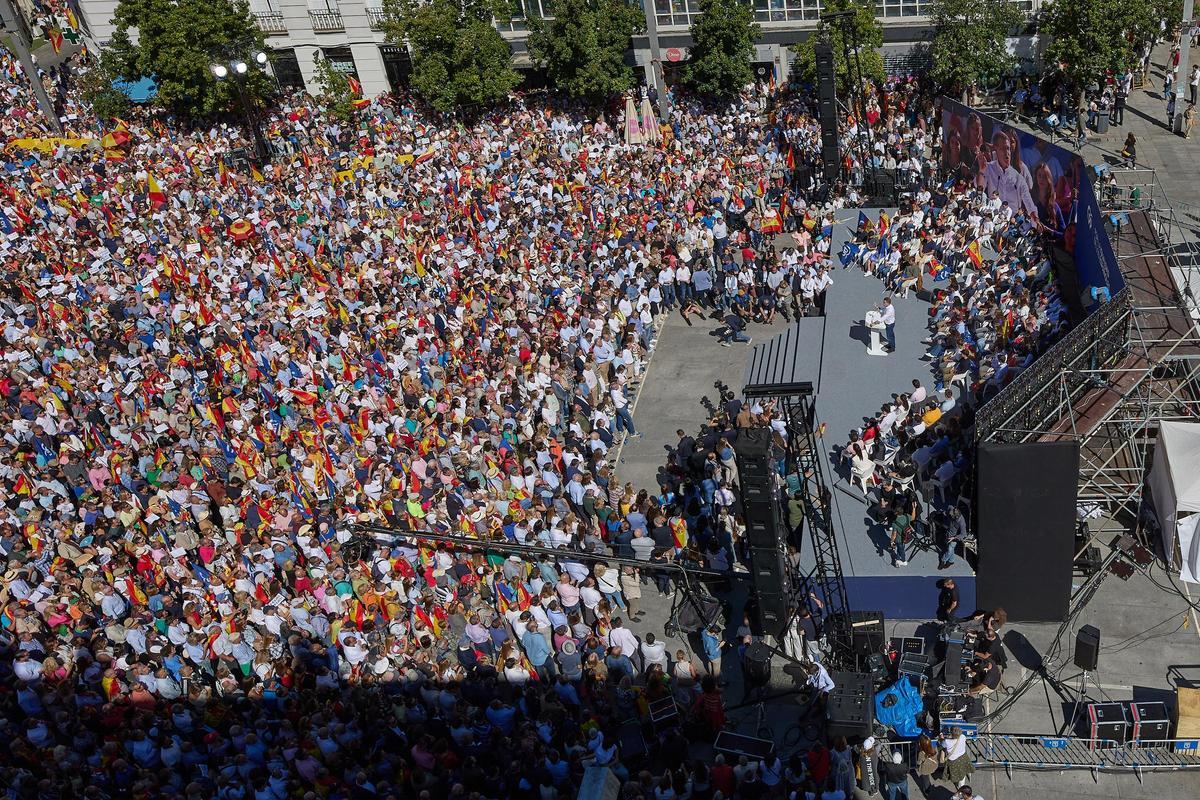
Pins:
<point x="863" y="29"/>
<point x="96" y="86"/>
<point x="969" y="41"/>
<point x="177" y="43"/>
<point x="722" y="46"/>
<point x="583" y="48"/>
<point x="459" y="58"/>
<point x="1088" y="37"/>
<point x="333" y="89"/>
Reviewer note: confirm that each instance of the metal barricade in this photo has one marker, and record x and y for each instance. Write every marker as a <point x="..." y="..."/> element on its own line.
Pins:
<point x="1010" y="751"/>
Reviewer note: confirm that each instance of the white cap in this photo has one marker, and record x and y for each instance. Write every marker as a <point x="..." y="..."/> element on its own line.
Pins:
<point x="869" y="743"/>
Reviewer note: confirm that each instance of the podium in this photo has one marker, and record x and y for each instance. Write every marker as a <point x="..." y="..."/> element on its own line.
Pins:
<point x="874" y="323"/>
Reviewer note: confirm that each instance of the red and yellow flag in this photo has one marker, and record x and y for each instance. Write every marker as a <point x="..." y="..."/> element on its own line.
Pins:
<point x="155" y="193"/>
<point x="974" y="254"/>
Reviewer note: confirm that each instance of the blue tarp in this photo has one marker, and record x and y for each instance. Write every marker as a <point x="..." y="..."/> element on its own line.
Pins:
<point x="902" y="715"/>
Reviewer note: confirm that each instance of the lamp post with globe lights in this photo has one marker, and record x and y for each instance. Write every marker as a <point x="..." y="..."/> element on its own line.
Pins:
<point x="237" y="71"/>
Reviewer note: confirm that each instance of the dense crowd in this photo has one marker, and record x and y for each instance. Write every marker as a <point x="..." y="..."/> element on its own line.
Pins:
<point x="212" y="373"/>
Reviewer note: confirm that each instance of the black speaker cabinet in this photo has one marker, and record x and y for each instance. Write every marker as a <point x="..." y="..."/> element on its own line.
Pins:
<point x="1087" y="648"/>
<point x="867" y="628"/>
<point x="850" y="709"/>
<point x="1151" y="722"/>
<point x="1107" y="724"/>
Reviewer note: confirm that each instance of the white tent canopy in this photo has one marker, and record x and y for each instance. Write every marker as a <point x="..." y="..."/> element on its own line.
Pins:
<point x="1175" y="490"/>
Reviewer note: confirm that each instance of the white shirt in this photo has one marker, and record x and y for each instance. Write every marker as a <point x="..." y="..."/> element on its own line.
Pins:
<point x="623" y="638"/>
<point x="1010" y="184"/>
<point x="821" y="681"/>
<point x="654" y="653"/>
<point x="888" y="315"/>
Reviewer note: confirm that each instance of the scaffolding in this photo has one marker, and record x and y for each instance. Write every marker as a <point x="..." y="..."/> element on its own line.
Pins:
<point x="1130" y="364"/>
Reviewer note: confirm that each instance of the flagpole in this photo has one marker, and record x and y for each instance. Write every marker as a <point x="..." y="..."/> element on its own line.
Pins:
<point x="14" y="24"/>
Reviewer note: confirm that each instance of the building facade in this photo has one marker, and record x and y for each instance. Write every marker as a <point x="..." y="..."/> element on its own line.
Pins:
<point x="349" y="33"/>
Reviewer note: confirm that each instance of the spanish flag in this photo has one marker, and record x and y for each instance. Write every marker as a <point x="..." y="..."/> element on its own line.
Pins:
<point x="791" y="158"/>
<point x="154" y="192"/>
<point x="305" y="397"/>
<point x="884" y="222"/>
<point x="974" y="254"/>
<point x="22" y="485"/>
<point x="56" y="39"/>
<point x="427" y="621"/>
<point x="679" y="532"/>
<point x="256" y="175"/>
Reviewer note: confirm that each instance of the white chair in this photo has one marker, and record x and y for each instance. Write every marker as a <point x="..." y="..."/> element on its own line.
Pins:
<point x="862" y="471"/>
<point x="889" y="455"/>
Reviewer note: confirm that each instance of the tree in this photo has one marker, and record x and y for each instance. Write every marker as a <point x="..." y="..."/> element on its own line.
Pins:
<point x="1089" y="37"/>
<point x="177" y="43"/>
<point x="459" y="58"/>
<point x="863" y="30"/>
<point x="582" y="49"/>
<point x="969" y="41"/>
<point x="333" y="89"/>
<point x="96" y="86"/>
<point x="722" y="46"/>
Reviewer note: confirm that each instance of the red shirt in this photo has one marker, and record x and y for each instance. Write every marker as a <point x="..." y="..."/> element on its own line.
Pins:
<point x="721" y="777"/>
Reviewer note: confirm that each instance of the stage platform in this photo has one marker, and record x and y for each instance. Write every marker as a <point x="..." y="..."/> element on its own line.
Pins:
<point x="851" y="386"/>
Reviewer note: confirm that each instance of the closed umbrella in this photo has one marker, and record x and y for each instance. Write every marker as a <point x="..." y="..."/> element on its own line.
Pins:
<point x="650" y="131"/>
<point x="633" y="128"/>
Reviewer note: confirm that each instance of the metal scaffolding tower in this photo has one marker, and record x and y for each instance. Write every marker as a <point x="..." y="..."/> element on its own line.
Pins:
<point x="1131" y="363"/>
<point x="805" y="473"/>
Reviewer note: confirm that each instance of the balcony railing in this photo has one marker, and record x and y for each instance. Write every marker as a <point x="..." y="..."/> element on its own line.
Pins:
<point x="271" y="22"/>
<point x="375" y="17"/>
<point x="326" y="21"/>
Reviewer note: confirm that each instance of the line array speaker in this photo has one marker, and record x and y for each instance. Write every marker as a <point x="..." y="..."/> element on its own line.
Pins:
<point x="831" y="161"/>
<point x="766" y="531"/>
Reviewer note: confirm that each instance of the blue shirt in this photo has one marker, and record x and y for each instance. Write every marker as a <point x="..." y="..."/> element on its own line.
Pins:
<point x="536" y="648"/>
<point x="712" y="646"/>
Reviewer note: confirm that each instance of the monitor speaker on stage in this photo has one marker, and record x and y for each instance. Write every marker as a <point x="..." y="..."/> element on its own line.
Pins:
<point x="1025" y="511"/>
<point x="1087" y="648"/>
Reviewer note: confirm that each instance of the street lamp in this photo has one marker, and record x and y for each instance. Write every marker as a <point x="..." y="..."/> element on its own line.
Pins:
<point x="238" y="70"/>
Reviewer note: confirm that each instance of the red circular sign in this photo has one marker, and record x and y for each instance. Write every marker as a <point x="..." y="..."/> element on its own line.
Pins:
<point x="674" y="54"/>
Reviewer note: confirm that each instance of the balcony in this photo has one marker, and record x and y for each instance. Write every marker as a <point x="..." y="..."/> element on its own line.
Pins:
<point x="271" y="22"/>
<point x="326" y="21"/>
<point x="376" y="16"/>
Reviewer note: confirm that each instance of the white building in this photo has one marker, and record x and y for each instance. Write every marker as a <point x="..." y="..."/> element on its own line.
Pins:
<point x="348" y="33"/>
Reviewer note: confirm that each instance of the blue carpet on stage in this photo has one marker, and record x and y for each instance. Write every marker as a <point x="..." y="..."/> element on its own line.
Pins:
<point x="853" y="387"/>
<point x="901" y="596"/>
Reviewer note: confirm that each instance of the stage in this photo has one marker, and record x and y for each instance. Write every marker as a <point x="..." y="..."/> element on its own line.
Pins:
<point x="851" y="385"/>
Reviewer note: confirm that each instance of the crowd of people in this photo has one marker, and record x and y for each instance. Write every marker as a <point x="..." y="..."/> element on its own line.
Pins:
<point x="213" y="372"/>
